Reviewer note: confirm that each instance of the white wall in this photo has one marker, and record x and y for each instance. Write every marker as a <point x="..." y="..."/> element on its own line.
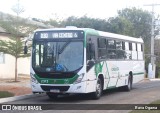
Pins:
<point x="7" y="69"/>
<point x="24" y="65"/>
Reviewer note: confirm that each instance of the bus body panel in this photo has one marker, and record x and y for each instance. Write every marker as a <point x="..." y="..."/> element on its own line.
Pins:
<point x="115" y="72"/>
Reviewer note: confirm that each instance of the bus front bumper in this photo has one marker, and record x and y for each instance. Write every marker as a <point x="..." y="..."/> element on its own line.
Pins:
<point x="62" y="88"/>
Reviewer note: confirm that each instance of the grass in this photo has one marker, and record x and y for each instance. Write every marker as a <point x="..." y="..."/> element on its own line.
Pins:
<point x="156" y="102"/>
<point x="148" y="111"/>
<point x="4" y="94"/>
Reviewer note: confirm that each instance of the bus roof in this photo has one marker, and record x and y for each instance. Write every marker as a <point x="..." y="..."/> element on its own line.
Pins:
<point x="120" y="37"/>
<point x="98" y="33"/>
<point x="67" y="28"/>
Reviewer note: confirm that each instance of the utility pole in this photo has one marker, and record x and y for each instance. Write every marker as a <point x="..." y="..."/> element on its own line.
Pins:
<point x="152" y="40"/>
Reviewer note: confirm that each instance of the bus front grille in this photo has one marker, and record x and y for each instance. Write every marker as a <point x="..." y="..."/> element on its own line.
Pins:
<point x="48" y="88"/>
<point x="55" y="75"/>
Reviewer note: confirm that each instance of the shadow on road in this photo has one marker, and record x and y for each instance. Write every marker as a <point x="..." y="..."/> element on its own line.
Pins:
<point x="82" y="97"/>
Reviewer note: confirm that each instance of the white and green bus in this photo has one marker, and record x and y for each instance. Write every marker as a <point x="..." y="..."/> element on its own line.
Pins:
<point x="83" y="60"/>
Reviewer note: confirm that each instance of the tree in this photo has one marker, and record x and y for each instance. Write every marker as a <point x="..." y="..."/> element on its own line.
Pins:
<point x="82" y="22"/>
<point x="13" y="47"/>
<point x="133" y="22"/>
<point x="157" y="51"/>
<point x="86" y="22"/>
<point x="141" y="21"/>
<point x="137" y="21"/>
<point x="18" y="28"/>
<point x="121" y="25"/>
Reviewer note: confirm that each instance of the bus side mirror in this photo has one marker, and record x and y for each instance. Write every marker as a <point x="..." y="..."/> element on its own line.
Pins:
<point x="25" y="49"/>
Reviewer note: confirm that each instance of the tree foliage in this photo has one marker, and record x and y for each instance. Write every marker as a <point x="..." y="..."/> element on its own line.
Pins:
<point x="133" y="22"/>
<point x="157" y="51"/>
<point x="121" y="25"/>
<point x="13" y="47"/>
<point x="129" y="21"/>
<point x="82" y="22"/>
<point x="18" y="29"/>
<point x="86" y="22"/>
<point x="140" y="20"/>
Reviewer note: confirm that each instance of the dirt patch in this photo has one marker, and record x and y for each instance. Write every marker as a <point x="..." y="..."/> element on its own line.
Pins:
<point x="21" y="87"/>
<point x="16" y="90"/>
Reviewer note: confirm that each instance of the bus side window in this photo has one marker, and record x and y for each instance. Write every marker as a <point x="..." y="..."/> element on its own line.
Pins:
<point x="140" y="51"/>
<point x="102" y="54"/>
<point x="90" y="51"/>
<point x="128" y="51"/>
<point x="134" y="51"/>
<point x="90" y="55"/>
<point x="111" y="47"/>
<point x="120" y="53"/>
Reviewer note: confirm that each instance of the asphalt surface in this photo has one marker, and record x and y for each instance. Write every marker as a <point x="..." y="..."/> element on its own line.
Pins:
<point x="142" y="93"/>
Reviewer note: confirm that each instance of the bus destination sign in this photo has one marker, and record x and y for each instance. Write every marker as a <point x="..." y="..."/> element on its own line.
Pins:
<point x="59" y="35"/>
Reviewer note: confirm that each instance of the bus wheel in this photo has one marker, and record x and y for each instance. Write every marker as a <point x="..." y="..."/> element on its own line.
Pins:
<point x="52" y="95"/>
<point x="128" y="87"/>
<point x="97" y="94"/>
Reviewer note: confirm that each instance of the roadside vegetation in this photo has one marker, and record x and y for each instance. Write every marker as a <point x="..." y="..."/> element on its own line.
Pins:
<point x="133" y="22"/>
<point x="156" y="102"/>
<point x="4" y="94"/>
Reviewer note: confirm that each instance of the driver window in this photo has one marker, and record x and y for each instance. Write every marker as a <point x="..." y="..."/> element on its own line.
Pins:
<point x="90" y="50"/>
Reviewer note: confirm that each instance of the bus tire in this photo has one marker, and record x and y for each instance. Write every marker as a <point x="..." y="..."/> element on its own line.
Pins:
<point x="52" y="95"/>
<point x="128" y="87"/>
<point x="97" y="94"/>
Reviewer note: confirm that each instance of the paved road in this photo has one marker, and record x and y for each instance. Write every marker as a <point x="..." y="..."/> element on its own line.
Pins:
<point x="142" y="93"/>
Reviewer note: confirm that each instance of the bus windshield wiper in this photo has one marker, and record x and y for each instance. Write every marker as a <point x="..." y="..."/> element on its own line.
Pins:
<point x="60" y="50"/>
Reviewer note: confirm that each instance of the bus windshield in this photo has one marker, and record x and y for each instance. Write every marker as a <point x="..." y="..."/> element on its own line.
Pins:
<point x="64" y="56"/>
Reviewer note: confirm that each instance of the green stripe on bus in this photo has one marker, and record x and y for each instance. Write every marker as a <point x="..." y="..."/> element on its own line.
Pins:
<point x="89" y="32"/>
<point x="111" y="87"/>
<point x="140" y="73"/>
<point x="108" y="75"/>
<point x="56" y="81"/>
<point x="107" y="70"/>
<point x="98" y="68"/>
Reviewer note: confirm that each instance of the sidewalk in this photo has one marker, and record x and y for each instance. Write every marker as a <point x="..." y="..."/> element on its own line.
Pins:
<point x="148" y="79"/>
<point x="155" y="79"/>
<point x="22" y="87"/>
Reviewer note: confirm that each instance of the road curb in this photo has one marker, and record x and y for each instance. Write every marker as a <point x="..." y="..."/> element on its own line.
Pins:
<point x="156" y="79"/>
<point x="10" y="99"/>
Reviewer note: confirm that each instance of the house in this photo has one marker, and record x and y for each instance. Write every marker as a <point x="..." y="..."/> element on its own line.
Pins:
<point x="7" y="62"/>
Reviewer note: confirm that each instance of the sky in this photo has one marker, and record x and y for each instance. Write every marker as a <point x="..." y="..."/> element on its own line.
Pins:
<point x="61" y="9"/>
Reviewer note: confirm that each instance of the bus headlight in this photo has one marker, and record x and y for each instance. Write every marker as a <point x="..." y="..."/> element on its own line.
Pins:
<point x="33" y="79"/>
<point x="79" y="79"/>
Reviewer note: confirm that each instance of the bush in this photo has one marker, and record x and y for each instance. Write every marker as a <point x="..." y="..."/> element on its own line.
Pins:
<point x="4" y="94"/>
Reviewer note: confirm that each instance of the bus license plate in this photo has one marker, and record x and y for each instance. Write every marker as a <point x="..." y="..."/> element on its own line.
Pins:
<point x="55" y="90"/>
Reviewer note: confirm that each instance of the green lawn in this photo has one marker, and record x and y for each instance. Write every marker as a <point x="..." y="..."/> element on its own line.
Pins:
<point x="148" y="111"/>
<point x="4" y="94"/>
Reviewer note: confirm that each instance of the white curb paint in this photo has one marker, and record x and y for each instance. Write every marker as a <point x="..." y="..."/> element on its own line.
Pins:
<point x="10" y="99"/>
<point x="156" y="79"/>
